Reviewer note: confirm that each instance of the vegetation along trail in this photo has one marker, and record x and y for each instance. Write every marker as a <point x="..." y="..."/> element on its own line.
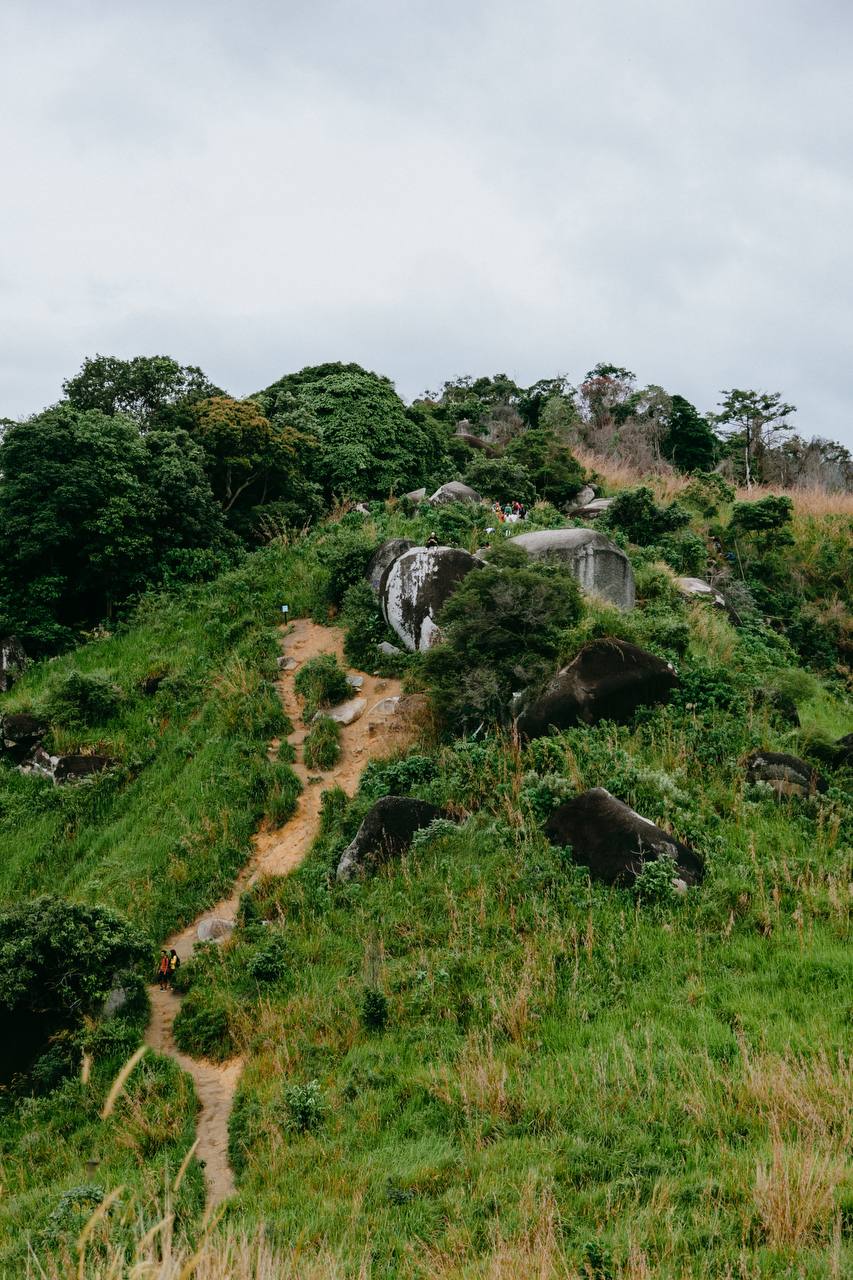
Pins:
<point x="276" y="852"/>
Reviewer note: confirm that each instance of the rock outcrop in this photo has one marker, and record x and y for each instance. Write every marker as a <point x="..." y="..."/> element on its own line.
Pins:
<point x="416" y="495"/>
<point x="475" y="442"/>
<point x="607" y="680"/>
<point x="13" y="660"/>
<point x="597" y="563"/>
<point x="416" y="585"/>
<point x="583" y="498"/>
<point x="787" y="775"/>
<point x="344" y="713"/>
<point x="385" y="833"/>
<point x="614" y="842"/>
<point x="699" y="589"/>
<point x="592" y="509"/>
<point x="383" y="557"/>
<point x="20" y="735"/>
<point x="454" y="491"/>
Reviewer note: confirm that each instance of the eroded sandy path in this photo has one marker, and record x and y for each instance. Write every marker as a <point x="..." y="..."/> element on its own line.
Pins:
<point x="276" y="852"/>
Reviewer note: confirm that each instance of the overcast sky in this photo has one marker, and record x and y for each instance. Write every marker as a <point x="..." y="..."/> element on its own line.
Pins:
<point x="432" y="188"/>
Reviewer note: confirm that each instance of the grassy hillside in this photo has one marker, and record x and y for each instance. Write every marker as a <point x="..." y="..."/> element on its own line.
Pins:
<point x="475" y="1063"/>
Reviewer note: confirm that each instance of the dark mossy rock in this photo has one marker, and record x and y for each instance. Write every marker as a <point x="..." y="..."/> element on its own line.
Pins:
<point x="383" y="557"/>
<point x="72" y="768"/>
<point x="385" y="833"/>
<point x="615" y="843"/>
<point x="608" y="680"/>
<point x="787" y="775"/>
<point x="20" y="734"/>
<point x="13" y="660"/>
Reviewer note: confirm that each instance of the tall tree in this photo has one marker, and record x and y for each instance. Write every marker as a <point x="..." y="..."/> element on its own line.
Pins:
<point x="689" y="442"/>
<point x="753" y="421"/>
<point x="247" y="455"/>
<point x="148" y="389"/>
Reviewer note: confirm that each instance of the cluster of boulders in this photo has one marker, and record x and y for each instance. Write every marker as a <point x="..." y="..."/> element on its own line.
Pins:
<point x="21" y="738"/>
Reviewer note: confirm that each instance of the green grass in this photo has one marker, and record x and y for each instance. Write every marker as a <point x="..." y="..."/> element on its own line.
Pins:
<point x="569" y="1082"/>
<point x="322" y="747"/>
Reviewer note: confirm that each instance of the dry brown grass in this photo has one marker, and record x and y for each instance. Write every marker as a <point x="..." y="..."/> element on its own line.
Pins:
<point x="479" y="1083"/>
<point x="668" y="484"/>
<point x="794" y="1195"/>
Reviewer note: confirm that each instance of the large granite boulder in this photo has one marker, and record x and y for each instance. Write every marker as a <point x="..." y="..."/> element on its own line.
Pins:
<point x="615" y="842"/>
<point x="787" y="775"/>
<point x="20" y="734"/>
<point x="12" y="661"/>
<point x="383" y="557"/>
<point x="416" y="585"/>
<point x="385" y="833"/>
<point x="454" y="491"/>
<point x="597" y="563"/>
<point x="607" y="680"/>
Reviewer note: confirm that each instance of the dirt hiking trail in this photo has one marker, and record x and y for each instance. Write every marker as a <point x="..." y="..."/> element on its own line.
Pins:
<point x="275" y="852"/>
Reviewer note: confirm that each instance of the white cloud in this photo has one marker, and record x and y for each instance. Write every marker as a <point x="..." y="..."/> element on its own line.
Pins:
<point x="431" y="189"/>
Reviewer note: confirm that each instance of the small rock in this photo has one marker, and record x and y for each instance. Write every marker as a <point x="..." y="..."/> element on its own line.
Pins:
<point x="346" y="713"/>
<point x="362" y="509"/>
<point x="787" y="775"/>
<point x="214" y="929"/>
<point x="115" y="1002"/>
<point x="355" y="682"/>
<point x="385" y="707"/>
<point x="698" y="588"/>
<point x="416" y="495"/>
<point x="591" y="509"/>
<point x="389" y="649"/>
<point x="20" y="734"/>
<point x="584" y="497"/>
<point x="72" y="768"/>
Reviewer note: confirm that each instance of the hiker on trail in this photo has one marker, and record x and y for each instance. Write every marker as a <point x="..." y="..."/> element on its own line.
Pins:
<point x="432" y="540"/>
<point x="174" y="961"/>
<point x="164" y="971"/>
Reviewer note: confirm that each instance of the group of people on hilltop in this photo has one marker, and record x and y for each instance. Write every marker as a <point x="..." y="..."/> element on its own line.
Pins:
<point x="510" y="512"/>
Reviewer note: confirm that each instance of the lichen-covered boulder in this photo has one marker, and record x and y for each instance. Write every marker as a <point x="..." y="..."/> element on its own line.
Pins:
<point x="607" y="680"/>
<point x="386" y="832"/>
<point x="787" y="775"/>
<point x="416" y="495"/>
<point x="614" y="842"/>
<point x="454" y="491"/>
<point x="598" y="564"/>
<point x="20" y="734"/>
<point x="13" y="660"/>
<point x="583" y="497"/>
<point x="416" y="585"/>
<point x="383" y="557"/>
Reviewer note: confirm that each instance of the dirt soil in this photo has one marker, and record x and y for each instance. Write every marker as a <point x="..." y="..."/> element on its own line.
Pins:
<point x="275" y="852"/>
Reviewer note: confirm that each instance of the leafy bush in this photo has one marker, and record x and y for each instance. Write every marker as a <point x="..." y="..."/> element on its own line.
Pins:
<point x="766" y="520"/>
<point x="502" y="634"/>
<point x="636" y="513"/>
<point x="270" y="962"/>
<point x="305" y="1107"/>
<point x="79" y="699"/>
<point x="57" y="961"/>
<point x="653" y="885"/>
<point x="374" y="1009"/>
<point x="365" y="629"/>
<point x="544" y="793"/>
<point x="344" y="551"/>
<point x="202" y="1026"/>
<point x="322" y="747"/>
<point x="322" y="683"/>
<point x="707" y="493"/>
<point x="500" y="479"/>
<point x="555" y="472"/>
<point x="684" y="552"/>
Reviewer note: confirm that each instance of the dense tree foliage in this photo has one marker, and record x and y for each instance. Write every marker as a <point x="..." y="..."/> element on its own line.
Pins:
<point x="689" y="442"/>
<point x="92" y="511"/>
<point x="148" y="389"/>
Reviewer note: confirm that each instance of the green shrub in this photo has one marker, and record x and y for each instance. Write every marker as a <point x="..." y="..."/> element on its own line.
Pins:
<point x="500" y="479"/>
<point x="707" y="493"/>
<point x="555" y="472"/>
<point x="322" y="683"/>
<point x="653" y="885"/>
<point x="374" y="1009"/>
<point x="344" y="552"/>
<point x="202" y="1026"/>
<point x="365" y="627"/>
<point x="766" y="519"/>
<point x="638" y="516"/>
<point x="270" y="962"/>
<point x="502" y="634"/>
<point x="322" y="747"/>
<point x="77" y="699"/>
<point x="305" y="1107"/>
<point x="684" y="551"/>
